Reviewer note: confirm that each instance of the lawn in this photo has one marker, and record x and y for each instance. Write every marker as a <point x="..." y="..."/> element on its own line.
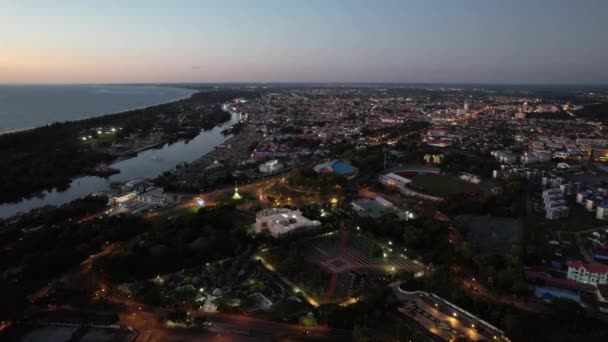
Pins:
<point x="439" y="185"/>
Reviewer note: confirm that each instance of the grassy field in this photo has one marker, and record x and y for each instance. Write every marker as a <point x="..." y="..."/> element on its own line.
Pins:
<point x="439" y="185"/>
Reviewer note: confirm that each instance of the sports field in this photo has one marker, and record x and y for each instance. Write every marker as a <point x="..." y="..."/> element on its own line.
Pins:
<point x="440" y="185"/>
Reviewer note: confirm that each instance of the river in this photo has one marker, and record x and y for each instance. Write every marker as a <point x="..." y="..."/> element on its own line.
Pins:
<point x="147" y="164"/>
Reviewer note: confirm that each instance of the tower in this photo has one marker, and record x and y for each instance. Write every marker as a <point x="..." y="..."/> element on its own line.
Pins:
<point x="236" y="195"/>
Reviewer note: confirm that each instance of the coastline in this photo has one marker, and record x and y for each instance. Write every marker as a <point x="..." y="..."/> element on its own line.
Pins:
<point x="28" y="129"/>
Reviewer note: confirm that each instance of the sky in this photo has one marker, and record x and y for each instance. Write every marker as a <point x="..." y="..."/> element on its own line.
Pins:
<point x="424" y="41"/>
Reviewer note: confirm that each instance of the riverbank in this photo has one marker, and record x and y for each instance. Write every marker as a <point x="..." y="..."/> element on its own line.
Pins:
<point x="32" y="158"/>
<point x="147" y="164"/>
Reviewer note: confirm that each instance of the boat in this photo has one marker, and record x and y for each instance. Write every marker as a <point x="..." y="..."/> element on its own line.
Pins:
<point x="104" y="170"/>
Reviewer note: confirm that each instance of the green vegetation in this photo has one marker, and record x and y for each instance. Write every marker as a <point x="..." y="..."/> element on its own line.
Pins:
<point x="307" y="178"/>
<point x="596" y="111"/>
<point x="372" y="319"/>
<point x="183" y="242"/>
<point x="46" y="253"/>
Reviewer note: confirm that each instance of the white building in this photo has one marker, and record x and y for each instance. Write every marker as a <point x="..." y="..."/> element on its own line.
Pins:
<point x="602" y="211"/>
<point x="587" y="273"/>
<point x="555" y="204"/>
<point x="551" y="192"/>
<point x="469" y="177"/>
<point x="282" y="221"/>
<point x="123" y="197"/>
<point x="394" y="180"/>
<point x="154" y="196"/>
<point x="557" y="213"/>
<point x="270" y="166"/>
<point x="529" y="158"/>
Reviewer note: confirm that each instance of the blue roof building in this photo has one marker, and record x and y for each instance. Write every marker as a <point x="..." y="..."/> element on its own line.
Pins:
<point x="338" y="166"/>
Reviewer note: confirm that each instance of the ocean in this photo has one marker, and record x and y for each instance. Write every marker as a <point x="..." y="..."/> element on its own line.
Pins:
<point x="29" y="106"/>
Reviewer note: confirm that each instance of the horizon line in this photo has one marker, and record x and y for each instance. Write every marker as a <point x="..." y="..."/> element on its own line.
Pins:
<point x="447" y="83"/>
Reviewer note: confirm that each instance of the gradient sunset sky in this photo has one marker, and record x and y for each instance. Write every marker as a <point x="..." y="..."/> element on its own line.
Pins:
<point x="472" y="41"/>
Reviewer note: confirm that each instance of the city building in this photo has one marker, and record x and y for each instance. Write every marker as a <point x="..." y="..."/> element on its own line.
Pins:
<point x="587" y="273"/>
<point x="280" y="222"/>
<point x="557" y="213"/>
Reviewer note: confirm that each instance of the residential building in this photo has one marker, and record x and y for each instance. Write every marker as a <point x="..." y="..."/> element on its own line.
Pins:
<point x="587" y="273"/>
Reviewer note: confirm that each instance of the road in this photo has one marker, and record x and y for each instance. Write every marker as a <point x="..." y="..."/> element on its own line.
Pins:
<point x="146" y="320"/>
<point x="481" y="290"/>
<point x="213" y="198"/>
<point x="446" y="321"/>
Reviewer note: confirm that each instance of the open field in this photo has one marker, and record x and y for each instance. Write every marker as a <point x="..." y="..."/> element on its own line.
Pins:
<point x="440" y="185"/>
<point x="491" y="234"/>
